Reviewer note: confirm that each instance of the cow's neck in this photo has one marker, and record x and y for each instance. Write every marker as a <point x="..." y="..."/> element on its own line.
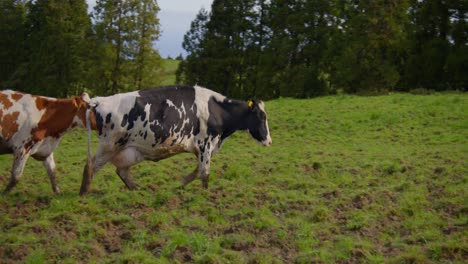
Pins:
<point x="234" y="117"/>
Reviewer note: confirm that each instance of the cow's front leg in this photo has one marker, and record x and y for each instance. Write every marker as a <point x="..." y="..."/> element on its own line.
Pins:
<point x="205" y="174"/>
<point x="204" y="161"/>
<point x="17" y="170"/>
<point x="49" y="164"/>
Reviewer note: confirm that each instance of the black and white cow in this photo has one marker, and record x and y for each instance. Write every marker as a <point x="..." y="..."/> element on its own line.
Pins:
<point x="157" y="123"/>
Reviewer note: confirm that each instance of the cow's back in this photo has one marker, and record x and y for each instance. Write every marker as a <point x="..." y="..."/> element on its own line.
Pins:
<point x="148" y="118"/>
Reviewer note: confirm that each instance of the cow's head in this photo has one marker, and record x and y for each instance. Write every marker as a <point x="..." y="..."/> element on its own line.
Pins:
<point x="257" y="123"/>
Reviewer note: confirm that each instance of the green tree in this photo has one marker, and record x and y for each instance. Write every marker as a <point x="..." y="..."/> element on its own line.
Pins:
<point x="295" y="55"/>
<point x="147" y="62"/>
<point x="112" y="29"/>
<point x="372" y="41"/>
<point x="125" y="32"/>
<point x="12" y="41"/>
<point x="228" y="37"/>
<point x="457" y="61"/>
<point x="56" y="38"/>
<point x="428" y="45"/>
<point x="192" y="69"/>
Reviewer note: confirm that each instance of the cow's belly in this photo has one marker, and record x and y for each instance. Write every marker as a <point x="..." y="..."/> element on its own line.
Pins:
<point x="42" y="150"/>
<point x="132" y="154"/>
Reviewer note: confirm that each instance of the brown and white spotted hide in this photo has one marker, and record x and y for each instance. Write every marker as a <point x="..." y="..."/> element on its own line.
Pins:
<point x="157" y="123"/>
<point x="33" y="126"/>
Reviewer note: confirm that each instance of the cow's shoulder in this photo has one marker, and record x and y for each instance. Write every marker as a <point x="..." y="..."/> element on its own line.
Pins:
<point x="204" y="95"/>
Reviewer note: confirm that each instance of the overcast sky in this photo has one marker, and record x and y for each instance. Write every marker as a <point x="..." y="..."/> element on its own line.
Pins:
<point x="174" y="17"/>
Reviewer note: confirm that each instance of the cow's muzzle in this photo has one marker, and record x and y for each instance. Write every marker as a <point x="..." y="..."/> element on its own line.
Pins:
<point x="267" y="142"/>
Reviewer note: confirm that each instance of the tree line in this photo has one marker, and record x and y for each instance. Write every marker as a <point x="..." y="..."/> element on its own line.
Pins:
<point x="302" y="48"/>
<point x="55" y="48"/>
<point x="243" y="48"/>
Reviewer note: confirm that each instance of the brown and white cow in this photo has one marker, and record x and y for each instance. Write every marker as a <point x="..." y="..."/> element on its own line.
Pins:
<point x="158" y="123"/>
<point x="33" y="126"/>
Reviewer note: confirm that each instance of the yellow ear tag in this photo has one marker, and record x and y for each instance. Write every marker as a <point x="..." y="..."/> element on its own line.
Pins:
<point x="250" y="103"/>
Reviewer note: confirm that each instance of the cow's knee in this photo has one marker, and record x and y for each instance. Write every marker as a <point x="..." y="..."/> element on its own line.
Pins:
<point x="204" y="168"/>
<point x="205" y="174"/>
<point x="49" y="164"/>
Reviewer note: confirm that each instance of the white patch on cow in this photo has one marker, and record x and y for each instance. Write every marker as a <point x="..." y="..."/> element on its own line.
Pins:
<point x="28" y="118"/>
<point x="268" y="140"/>
<point x="202" y="96"/>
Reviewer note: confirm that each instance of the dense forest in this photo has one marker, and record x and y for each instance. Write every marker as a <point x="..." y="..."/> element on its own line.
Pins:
<point x="55" y="48"/>
<point x="301" y="48"/>
<point x="244" y="48"/>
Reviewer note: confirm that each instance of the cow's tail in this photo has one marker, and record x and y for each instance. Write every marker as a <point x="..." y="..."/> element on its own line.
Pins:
<point x="88" y="170"/>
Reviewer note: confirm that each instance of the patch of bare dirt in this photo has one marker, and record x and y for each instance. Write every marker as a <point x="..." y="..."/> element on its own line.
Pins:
<point x="13" y="254"/>
<point x="362" y="200"/>
<point x="182" y="254"/>
<point x="331" y="195"/>
<point x="111" y="240"/>
<point x="155" y="247"/>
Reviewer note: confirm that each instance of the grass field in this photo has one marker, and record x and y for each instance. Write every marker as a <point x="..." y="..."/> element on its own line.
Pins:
<point x="348" y="180"/>
<point x="168" y="74"/>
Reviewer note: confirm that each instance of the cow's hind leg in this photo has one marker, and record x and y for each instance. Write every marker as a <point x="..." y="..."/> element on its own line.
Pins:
<point x="124" y="174"/>
<point x="49" y="164"/>
<point x="123" y="161"/>
<point x="98" y="161"/>
<point x="17" y="171"/>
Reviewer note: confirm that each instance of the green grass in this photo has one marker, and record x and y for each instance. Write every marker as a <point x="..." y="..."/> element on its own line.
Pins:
<point x="168" y="74"/>
<point x="348" y="179"/>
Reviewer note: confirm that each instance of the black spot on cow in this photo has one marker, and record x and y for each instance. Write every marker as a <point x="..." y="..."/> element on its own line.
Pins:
<point x="112" y="126"/>
<point x="146" y="134"/>
<point x="123" y="140"/>
<point x="165" y="116"/>
<point x="137" y="111"/>
<point x="108" y="118"/>
<point x="124" y="120"/>
<point x="99" y="121"/>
